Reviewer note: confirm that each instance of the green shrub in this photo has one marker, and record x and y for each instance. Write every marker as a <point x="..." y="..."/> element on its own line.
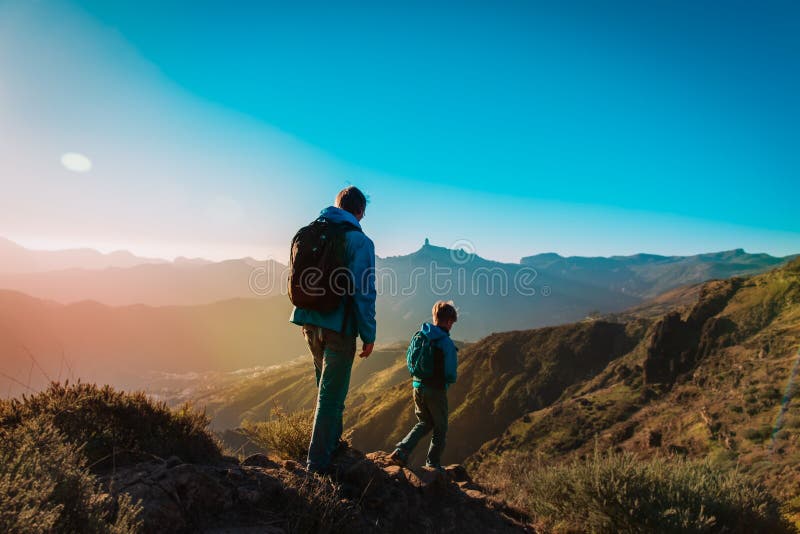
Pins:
<point x="46" y="487"/>
<point x="114" y="427"/>
<point x="617" y="492"/>
<point x="285" y="435"/>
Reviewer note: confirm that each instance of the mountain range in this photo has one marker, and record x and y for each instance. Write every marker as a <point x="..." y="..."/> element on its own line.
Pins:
<point x="705" y="369"/>
<point x="117" y="317"/>
<point x="542" y="290"/>
<point x="121" y="279"/>
<point x="18" y="259"/>
<point x="649" y="275"/>
<point x="704" y="372"/>
<point x="576" y="284"/>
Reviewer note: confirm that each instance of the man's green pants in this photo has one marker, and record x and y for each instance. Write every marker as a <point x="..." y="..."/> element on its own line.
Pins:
<point x="333" y="359"/>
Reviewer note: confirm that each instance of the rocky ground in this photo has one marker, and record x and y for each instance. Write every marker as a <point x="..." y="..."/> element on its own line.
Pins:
<point x="260" y="494"/>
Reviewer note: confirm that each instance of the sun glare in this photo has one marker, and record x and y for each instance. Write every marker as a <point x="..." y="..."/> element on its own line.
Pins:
<point x="75" y="162"/>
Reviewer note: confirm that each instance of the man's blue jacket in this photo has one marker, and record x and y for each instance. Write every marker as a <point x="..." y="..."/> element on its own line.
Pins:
<point x="361" y="261"/>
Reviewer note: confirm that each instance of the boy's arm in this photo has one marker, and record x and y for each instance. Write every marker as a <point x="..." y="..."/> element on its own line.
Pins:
<point x="450" y="361"/>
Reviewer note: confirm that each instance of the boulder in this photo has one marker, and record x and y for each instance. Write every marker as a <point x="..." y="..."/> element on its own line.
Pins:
<point x="259" y="460"/>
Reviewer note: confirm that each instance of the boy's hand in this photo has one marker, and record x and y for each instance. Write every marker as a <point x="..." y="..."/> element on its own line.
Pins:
<point x="366" y="350"/>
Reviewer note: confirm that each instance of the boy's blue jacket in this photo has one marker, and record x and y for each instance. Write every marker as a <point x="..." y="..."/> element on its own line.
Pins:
<point x="441" y="338"/>
<point x="361" y="262"/>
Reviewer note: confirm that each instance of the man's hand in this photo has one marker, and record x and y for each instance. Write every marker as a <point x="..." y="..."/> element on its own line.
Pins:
<point x="366" y="350"/>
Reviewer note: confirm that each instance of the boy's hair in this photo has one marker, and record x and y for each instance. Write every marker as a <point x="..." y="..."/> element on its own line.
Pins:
<point x="442" y="311"/>
<point x="351" y="199"/>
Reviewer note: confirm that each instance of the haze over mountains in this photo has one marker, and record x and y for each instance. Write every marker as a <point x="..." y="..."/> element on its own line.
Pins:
<point x="120" y="278"/>
<point x="117" y="317"/>
<point x="124" y="345"/>
<point x="15" y="258"/>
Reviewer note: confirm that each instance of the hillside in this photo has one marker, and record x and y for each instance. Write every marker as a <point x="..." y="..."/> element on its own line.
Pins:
<point x="701" y="370"/>
<point x="705" y="372"/>
<point x="733" y="349"/>
<point x="715" y="381"/>
<point x="513" y="386"/>
<point x="82" y="458"/>
<point x="230" y="398"/>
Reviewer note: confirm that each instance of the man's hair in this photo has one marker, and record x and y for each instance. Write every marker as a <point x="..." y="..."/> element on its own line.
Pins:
<point x="351" y="199"/>
<point x="442" y="311"/>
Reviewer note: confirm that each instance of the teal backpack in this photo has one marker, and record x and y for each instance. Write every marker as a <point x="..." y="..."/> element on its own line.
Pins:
<point x="419" y="357"/>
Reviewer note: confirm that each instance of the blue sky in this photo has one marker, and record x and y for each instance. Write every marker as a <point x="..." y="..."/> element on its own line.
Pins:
<point x="584" y="128"/>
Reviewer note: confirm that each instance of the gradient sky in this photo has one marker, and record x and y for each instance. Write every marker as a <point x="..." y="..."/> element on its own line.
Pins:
<point x="217" y="128"/>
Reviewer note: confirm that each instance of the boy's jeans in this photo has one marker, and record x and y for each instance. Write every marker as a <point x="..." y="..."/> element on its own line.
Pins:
<point x="333" y="359"/>
<point x="430" y="407"/>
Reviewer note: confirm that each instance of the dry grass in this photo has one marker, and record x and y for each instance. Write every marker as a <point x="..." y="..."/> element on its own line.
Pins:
<point x="620" y="493"/>
<point x="316" y="505"/>
<point x="114" y="427"/>
<point x="52" y="443"/>
<point x="45" y="485"/>
<point x="286" y="435"/>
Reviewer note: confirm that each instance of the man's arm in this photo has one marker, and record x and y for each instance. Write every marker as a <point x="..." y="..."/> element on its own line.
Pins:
<point x="363" y="269"/>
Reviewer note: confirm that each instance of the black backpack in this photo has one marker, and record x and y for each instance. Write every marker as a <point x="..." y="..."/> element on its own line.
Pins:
<point x="318" y="273"/>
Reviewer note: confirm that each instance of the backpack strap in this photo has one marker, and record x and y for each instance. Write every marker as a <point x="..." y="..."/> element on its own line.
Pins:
<point x="345" y="227"/>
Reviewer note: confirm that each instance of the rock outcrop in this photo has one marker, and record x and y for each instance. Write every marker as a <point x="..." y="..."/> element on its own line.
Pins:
<point x="367" y="493"/>
<point x="675" y="344"/>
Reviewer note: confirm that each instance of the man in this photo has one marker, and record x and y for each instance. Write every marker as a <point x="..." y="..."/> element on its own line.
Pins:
<point x="331" y="336"/>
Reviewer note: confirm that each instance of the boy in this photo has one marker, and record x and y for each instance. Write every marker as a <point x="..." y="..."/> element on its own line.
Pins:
<point x="430" y="394"/>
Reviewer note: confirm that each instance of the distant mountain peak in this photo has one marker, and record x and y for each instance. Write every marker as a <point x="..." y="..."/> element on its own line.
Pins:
<point x="546" y="256"/>
<point x="16" y="258"/>
<point x="7" y="243"/>
<point x="436" y="252"/>
<point x="183" y="260"/>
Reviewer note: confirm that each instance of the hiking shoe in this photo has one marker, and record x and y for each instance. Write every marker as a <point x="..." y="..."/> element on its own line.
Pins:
<point x="397" y="458"/>
<point x="435" y="467"/>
